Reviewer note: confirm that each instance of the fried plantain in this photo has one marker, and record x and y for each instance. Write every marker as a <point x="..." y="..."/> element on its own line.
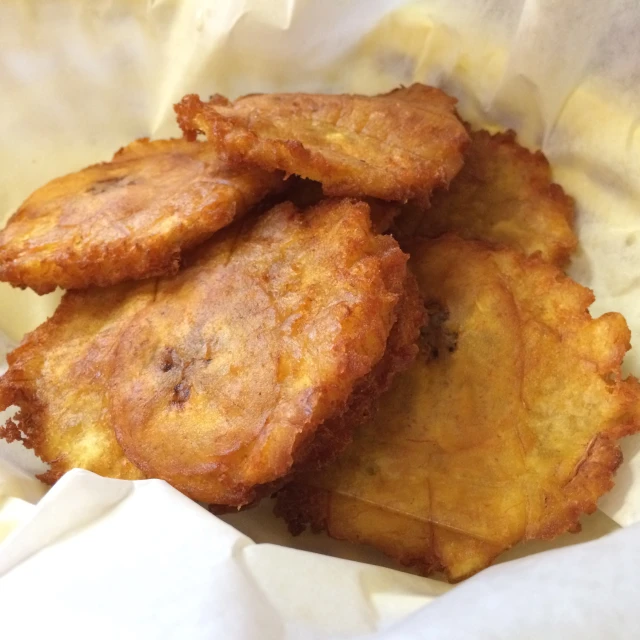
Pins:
<point x="126" y="219"/>
<point x="217" y="378"/>
<point x="395" y="146"/>
<point x="504" y="429"/>
<point x="244" y="354"/>
<point x="335" y="434"/>
<point x="503" y="194"/>
<point x="305" y="193"/>
<point x="57" y="378"/>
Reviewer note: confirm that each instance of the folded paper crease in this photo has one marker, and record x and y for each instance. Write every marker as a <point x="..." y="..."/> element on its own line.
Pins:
<point x="78" y="82"/>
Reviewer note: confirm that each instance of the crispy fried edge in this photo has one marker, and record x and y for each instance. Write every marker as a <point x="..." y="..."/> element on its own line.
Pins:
<point x="559" y="253"/>
<point x="27" y="425"/>
<point x="335" y="434"/>
<point x="241" y="143"/>
<point x="303" y="506"/>
<point x="156" y="256"/>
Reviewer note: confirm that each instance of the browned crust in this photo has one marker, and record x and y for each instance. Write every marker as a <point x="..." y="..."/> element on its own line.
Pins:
<point x="335" y="434"/>
<point x="274" y="265"/>
<point x="396" y="146"/>
<point x="303" y="507"/>
<point x="595" y="471"/>
<point x="127" y="219"/>
<point x="55" y="373"/>
<point x="597" y="345"/>
<point x="503" y="194"/>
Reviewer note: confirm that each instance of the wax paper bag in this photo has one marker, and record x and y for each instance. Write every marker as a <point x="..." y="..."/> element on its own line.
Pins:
<point x="105" y="558"/>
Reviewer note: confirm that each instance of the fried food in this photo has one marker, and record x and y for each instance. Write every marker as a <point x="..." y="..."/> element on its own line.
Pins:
<point x="253" y="346"/>
<point x="396" y="146"/>
<point x="220" y="375"/>
<point x="335" y="434"/>
<point x="306" y="193"/>
<point x="503" y="194"/>
<point x="126" y="219"/>
<point x="504" y="429"/>
<point x="57" y="378"/>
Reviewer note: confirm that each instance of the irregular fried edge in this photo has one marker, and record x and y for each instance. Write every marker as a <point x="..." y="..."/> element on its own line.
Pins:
<point x="156" y="256"/>
<point x="293" y="157"/>
<point x="392" y="268"/>
<point x="303" y="506"/>
<point x="27" y="425"/>
<point x="408" y="223"/>
<point x="334" y="435"/>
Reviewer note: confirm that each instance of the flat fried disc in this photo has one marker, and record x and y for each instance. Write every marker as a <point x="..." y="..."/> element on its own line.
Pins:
<point x="126" y="219"/>
<point x="217" y="378"/>
<point x="395" y="146"/>
<point x="504" y="429"/>
<point x="503" y="194"/>
<point x="254" y="345"/>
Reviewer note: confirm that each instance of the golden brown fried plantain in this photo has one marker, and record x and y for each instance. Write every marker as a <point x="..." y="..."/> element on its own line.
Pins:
<point x="216" y="378"/>
<point x="504" y="429"/>
<point x="305" y="193"/>
<point x="126" y="219"/>
<point x="335" y="434"/>
<point x="57" y="378"/>
<point x="395" y="146"/>
<point x="504" y="194"/>
<point x="245" y="353"/>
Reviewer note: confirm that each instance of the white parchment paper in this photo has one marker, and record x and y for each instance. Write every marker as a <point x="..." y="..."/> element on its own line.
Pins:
<point x="105" y="558"/>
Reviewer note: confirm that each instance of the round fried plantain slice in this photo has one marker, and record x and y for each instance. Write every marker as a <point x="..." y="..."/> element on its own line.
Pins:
<point x="228" y="373"/>
<point x="504" y="428"/>
<point x="395" y="146"/>
<point x="57" y="379"/>
<point x="215" y="379"/>
<point x="126" y="219"/>
<point x="503" y="194"/>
